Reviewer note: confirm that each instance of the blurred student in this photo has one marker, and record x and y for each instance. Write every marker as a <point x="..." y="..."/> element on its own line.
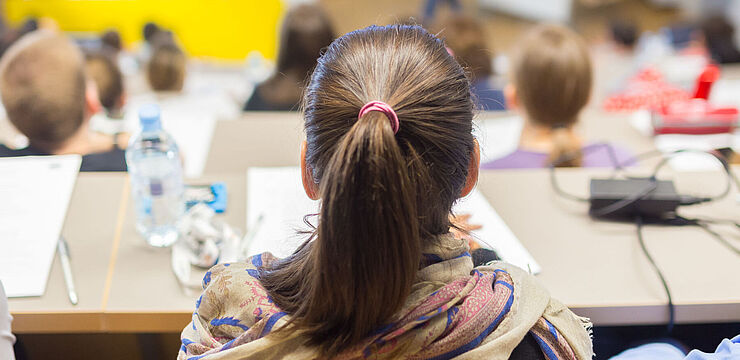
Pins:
<point x="111" y="42"/>
<point x="466" y="38"/>
<point x="11" y="35"/>
<point x="49" y="100"/>
<point x="550" y="85"/>
<point x="624" y="34"/>
<point x="148" y="32"/>
<point x="718" y="36"/>
<point x="6" y="337"/>
<point x="103" y="70"/>
<point x="306" y="30"/>
<point x="389" y="149"/>
<point x="167" y="66"/>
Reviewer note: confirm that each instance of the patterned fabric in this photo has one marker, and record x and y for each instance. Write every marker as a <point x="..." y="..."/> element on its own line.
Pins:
<point x="453" y="309"/>
<point x="646" y="90"/>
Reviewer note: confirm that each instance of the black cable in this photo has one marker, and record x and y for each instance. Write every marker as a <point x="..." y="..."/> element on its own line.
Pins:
<point x="671" y="307"/>
<point x="718" y="221"/>
<point x="716" y="155"/>
<point x="567" y="157"/>
<point x="717" y="236"/>
<point x="560" y="191"/>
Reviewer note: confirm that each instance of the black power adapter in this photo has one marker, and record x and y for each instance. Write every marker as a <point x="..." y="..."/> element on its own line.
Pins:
<point x="627" y="198"/>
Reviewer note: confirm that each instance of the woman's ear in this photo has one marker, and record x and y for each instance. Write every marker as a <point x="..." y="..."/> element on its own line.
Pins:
<point x="473" y="170"/>
<point x="309" y="186"/>
<point x="512" y="102"/>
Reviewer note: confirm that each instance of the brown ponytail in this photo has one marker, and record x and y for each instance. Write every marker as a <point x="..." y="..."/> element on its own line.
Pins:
<point x="566" y="149"/>
<point x="383" y="194"/>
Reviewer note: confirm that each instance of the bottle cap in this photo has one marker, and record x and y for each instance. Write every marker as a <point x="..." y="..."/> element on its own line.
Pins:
<point x="149" y="116"/>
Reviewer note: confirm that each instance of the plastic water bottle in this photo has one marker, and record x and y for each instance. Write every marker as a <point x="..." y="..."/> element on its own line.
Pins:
<point x="155" y="170"/>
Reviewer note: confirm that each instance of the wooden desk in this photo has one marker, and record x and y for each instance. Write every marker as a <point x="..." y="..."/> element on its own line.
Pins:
<point x="594" y="267"/>
<point x="145" y="295"/>
<point x="598" y="269"/>
<point x="90" y="228"/>
<point x="274" y="138"/>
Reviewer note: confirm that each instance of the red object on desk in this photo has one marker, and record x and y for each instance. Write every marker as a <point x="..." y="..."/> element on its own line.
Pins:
<point x="696" y="115"/>
<point x="705" y="80"/>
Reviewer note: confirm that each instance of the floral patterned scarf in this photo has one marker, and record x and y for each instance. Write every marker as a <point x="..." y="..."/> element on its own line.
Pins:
<point x="454" y="310"/>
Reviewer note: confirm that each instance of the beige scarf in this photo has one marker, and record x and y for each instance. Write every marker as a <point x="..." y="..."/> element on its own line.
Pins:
<point x="454" y="311"/>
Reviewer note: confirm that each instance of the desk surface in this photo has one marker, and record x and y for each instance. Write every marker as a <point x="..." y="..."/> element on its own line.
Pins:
<point x="596" y="268"/>
<point x="92" y="222"/>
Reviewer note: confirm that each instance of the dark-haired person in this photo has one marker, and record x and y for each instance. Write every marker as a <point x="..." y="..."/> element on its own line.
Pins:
<point x="624" y="34"/>
<point x="305" y="31"/>
<point x="111" y="41"/>
<point x="389" y="149"/>
<point x="718" y="36"/>
<point x="104" y="71"/>
<point x="48" y="98"/>
<point x="466" y="38"/>
<point x="551" y="81"/>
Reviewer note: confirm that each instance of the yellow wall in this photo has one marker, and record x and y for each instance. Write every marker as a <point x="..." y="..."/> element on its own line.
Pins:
<point x="226" y="29"/>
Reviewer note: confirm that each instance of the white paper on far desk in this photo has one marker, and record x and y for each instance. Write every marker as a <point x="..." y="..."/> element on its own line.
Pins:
<point x="687" y="161"/>
<point x="277" y="194"/>
<point x="34" y="196"/>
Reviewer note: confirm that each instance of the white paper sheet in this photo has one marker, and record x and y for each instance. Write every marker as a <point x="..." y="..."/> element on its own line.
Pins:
<point x="190" y="119"/>
<point x="277" y="195"/>
<point x="35" y="194"/>
<point x="498" y="136"/>
<point x="667" y="143"/>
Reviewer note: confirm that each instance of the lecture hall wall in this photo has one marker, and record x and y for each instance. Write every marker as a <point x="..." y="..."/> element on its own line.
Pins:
<point x="218" y="29"/>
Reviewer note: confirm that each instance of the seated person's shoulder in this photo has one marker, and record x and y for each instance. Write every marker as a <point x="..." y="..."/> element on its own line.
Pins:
<point x="111" y="160"/>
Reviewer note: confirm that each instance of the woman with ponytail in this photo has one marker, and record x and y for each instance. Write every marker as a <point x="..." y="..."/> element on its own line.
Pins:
<point x="551" y="79"/>
<point x="389" y="149"/>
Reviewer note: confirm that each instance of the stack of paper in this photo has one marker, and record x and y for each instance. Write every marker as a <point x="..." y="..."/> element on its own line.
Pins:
<point x="35" y="193"/>
<point x="276" y="196"/>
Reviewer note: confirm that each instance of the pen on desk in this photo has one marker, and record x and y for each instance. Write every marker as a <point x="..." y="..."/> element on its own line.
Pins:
<point x="67" y="269"/>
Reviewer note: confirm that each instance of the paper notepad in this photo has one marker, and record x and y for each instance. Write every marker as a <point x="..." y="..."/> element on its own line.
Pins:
<point x="35" y="193"/>
<point x="276" y="194"/>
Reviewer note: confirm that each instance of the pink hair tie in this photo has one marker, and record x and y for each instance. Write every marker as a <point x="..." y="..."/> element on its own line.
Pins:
<point x="385" y="109"/>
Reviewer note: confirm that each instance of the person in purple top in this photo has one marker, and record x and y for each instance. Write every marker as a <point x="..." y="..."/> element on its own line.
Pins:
<point x="593" y="155"/>
<point x="551" y="80"/>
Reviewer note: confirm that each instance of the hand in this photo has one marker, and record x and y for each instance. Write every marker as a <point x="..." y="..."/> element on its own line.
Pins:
<point x="461" y="229"/>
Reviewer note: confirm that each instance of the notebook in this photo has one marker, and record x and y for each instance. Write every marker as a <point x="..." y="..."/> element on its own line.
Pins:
<point x="35" y="193"/>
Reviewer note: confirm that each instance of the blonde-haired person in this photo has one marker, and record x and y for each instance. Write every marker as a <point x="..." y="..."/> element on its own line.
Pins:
<point x="49" y="98"/>
<point x="389" y="149"/>
<point x="550" y="84"/>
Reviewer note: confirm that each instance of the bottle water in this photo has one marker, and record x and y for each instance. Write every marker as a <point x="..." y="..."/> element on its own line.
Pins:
<point x="155" y="170"/>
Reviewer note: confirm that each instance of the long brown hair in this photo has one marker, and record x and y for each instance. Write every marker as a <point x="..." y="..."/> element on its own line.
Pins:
<point x="383" y="194"/>
<point x="306" y="30"/>
<point x="552" y="75"/>
<point x="466" y="37"/>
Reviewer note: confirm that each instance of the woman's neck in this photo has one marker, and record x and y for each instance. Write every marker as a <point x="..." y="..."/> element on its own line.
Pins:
<point x="539" y="138"/>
